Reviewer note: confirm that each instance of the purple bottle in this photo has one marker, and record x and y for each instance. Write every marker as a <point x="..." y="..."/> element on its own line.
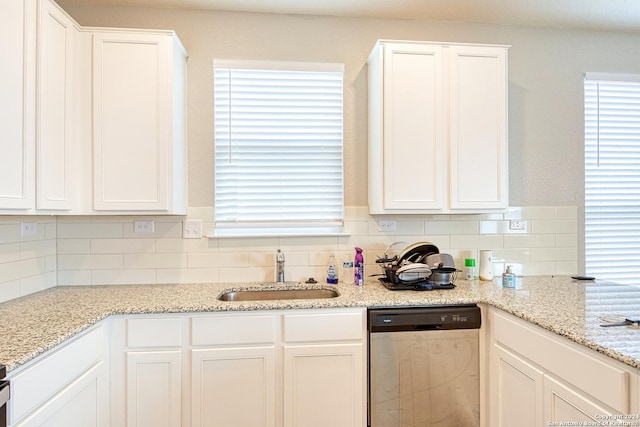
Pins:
<point x="358" y="270"/>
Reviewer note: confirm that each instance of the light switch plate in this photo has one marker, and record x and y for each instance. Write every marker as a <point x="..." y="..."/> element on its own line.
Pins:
<point x="192" y="229"/>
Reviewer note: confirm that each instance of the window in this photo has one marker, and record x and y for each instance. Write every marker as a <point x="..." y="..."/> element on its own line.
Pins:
<point x="278" y="148"/>
<point x="612" y="177"/>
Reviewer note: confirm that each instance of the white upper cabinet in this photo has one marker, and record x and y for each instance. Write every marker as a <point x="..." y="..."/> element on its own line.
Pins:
<point x="437" y="128"/>
<point x="55" y="126"/>
<point x="17" y="104"/>
<point x="139" y="153"/>
<point x="93" y="120"/>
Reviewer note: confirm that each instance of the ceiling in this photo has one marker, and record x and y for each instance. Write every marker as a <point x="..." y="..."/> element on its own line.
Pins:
<point x="608" y="15"/>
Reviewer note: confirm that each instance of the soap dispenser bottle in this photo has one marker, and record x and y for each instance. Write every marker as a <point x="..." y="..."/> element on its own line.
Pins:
<point x="508" y="278"/>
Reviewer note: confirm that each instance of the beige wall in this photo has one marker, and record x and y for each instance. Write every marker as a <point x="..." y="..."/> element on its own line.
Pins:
<point x="545" y="84"/>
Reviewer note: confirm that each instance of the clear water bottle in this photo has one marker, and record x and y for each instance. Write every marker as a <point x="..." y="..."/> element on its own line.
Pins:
<point x="347" y="270"/>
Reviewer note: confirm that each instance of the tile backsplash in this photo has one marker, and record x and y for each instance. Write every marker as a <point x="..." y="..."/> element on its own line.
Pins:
<point x="27" y="263"/>
<point x="98" y="250"/>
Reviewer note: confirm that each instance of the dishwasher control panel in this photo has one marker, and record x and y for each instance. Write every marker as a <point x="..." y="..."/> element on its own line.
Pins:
<point x="424" y="318"/>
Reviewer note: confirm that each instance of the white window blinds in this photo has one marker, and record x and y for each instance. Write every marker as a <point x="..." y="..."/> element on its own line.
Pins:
<point x="612" y="177"/>
<point x="278" y="147"/>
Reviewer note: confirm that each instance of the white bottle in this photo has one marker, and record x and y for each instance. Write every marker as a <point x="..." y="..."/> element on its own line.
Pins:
<point x="486" y="265"/>
<point x="347" y="270"/>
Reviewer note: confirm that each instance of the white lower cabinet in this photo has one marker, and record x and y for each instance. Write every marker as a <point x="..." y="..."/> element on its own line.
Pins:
<point x="324" y="385"/>
<point x="299" y="368"/>
<point x="66" y="387"/>
<point x="153" y="384"/>
<point x="324" y="369"/>
<point x="565" y="403"/>
<point x="538" y="378"/>
<point x="146" y="371"/>
<point x="511" y="373"/>
<point x="233" y="387"/>
<point x="78" y="405"/>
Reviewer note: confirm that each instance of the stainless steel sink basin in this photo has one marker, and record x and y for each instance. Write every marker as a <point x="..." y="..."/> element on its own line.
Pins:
<point x="277" y="294"/>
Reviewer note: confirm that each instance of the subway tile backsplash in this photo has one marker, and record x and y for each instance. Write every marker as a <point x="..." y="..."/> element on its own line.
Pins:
<point x="105" y="250"/>
<point x="27" y="263"/>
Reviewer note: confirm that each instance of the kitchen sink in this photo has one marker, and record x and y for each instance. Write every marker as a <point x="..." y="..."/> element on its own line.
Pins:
<point x="277" y="294"/>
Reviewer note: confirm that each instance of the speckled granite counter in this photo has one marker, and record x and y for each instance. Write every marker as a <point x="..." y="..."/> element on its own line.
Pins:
<point x="38" y="322"/>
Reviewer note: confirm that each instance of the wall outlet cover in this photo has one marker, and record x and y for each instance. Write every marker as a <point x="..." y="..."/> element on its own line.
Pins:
<point x="143" y="226"/>
<point x="28" y="229"/>
<point x="387" y="225"/>
<point x="518" y="224"/>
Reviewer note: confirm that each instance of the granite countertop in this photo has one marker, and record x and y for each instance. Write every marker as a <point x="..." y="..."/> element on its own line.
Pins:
<point x="38" y="322"/>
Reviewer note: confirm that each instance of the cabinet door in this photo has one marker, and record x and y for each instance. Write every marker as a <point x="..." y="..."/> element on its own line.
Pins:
<point x="324" y="385"/>
<point x="517" y="391"/>
<point x="233" y="387"/>
<point x="478" y="127"/>
<point x="55" y="135"/>
<point x="82" y="403"/>
<point x="17" y="104"/>
<point x="414" y="141"/>
<point x="154" y="384"/>
<point x="132" y="116"/>
<point x="563" y="403"/>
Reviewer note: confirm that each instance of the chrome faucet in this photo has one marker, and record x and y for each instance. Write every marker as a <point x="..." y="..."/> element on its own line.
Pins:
<point x="279" y="267"/>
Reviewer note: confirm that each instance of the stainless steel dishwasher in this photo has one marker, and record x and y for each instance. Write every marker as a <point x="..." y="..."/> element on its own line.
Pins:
<point x="424" y="366"/>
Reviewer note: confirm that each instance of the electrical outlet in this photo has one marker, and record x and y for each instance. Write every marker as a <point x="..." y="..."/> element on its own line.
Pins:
<point x="387" y="225"/>
<point x="192" y="229"/>
<point x="28" y="229"/>
<point x="518" y="224"/>
<point x="145" y="226"/>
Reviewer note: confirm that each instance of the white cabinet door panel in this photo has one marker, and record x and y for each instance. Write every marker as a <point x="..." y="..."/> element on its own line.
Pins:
<point x="324" y="385"/>
<point x="154" y="389"/>
<point x="478" y="138"/>
<point x="567" y="405"/>
<point x="233" y="387"/>
<point x="519" y="391"/>
<point x="413" y="108"/>
<point x="55" y="132"/>
<point x="17" y="106"/>
<point x="82" y="403"/>
<point x="131" y="110"/>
